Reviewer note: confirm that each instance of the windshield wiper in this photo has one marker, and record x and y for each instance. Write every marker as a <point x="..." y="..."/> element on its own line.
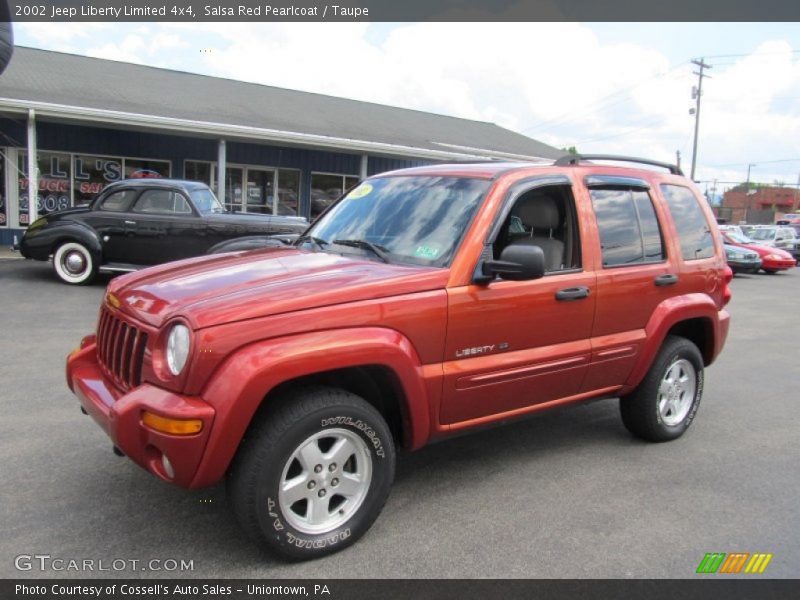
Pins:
<point x="317" y="242"/>
<point x="377" y="250"/>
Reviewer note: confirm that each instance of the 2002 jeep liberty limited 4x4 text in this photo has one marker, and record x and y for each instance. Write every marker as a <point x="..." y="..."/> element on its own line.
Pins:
<point x="425" y="302"/>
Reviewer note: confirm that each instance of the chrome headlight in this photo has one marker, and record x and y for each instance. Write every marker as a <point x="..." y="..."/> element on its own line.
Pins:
<point x="178" y="345"/>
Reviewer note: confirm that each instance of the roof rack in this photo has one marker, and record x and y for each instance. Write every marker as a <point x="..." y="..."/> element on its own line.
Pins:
<point x="575" y="159"/>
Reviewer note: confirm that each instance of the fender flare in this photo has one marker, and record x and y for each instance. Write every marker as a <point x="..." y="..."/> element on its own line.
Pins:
<point x="666" y="315"/>
<point x="73" y="231"/>
<point x="238" y="387"/>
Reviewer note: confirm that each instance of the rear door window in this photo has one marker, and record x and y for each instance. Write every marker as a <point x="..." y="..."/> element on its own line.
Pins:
<point x="694" y="232"/>
<point x="629" y="229"/>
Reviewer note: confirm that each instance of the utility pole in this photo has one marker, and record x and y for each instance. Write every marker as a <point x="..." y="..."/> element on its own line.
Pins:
<point x="696" y="94"/>
<point x="749" y="166"/>
<point x="678" y="158"/>
<point x="796" y="203"/>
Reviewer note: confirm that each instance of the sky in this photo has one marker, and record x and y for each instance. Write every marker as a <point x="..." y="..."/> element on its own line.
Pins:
<point x="612" y="88"/>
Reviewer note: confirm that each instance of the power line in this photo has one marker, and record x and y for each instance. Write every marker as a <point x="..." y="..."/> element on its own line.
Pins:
<point x="757" y="162"/>
<point x="614" y="135"/>
<point x="570" y="116"/>
<point x="754" y="53"/>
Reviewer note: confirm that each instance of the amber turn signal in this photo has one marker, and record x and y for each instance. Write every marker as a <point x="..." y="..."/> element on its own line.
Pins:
<point x="172" y="426"/>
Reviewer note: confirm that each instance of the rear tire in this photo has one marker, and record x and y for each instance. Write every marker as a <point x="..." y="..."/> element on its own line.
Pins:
<point x="666" y="401"/>
<point x="770" y="271"/>
<point x="74" y="264"/>
<point x="312" y="473"/>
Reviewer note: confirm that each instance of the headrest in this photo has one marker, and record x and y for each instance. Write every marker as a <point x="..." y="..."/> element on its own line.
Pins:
<point x="540" y="212"/>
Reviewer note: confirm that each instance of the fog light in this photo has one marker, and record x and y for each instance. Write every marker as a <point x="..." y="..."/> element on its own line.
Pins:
<point x="172" y="426"/>
<point x="167" y="466"/>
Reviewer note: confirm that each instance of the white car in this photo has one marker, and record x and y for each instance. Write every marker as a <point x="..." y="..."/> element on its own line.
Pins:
<point x="777" y="236"/>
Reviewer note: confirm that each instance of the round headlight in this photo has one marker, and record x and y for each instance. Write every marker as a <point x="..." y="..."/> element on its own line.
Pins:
<point x="177" y="348"/>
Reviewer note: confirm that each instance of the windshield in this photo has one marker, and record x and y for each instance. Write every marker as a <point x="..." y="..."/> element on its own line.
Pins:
<point x="762" y="234"/>
<point x="206" y="201"/>
<point x="415" y="220"/>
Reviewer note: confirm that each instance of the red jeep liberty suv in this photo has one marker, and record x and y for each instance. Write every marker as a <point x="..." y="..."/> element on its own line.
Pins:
<point x="425" y="302"/>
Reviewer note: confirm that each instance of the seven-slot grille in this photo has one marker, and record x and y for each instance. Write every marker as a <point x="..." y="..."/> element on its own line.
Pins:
<point x="120" y="350"/>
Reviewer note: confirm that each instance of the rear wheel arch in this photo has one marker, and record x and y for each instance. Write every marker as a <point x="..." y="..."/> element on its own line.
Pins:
<point x="699" y="331"/>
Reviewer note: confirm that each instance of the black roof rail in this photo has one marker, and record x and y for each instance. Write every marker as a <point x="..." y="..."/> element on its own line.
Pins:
<point x="575" y="159"/>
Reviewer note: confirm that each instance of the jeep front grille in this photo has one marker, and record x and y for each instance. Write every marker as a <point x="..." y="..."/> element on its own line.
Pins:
<point x="120" y="350"/>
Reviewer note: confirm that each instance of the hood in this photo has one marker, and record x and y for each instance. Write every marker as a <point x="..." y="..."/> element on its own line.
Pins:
<point x="224" y="288"/>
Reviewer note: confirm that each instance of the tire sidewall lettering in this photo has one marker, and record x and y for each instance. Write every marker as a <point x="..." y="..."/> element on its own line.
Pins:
<point x="367" y="430"/>
<point x="273" y="519"/>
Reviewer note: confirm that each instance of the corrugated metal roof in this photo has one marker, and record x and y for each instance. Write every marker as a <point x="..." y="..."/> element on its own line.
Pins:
<point x="104" y="85"/>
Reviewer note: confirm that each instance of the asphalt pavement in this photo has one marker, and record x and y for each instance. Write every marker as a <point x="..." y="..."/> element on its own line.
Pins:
<point x="568" y="493"/>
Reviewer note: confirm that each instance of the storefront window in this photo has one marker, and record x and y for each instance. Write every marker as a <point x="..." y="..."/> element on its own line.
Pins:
<point x="326" y="189"/>
<point x="233" y="189"/>
<point x="92" y="174"/>
<point x="288" y="192"/>
<point x="194" y="170"/>
<point x="146" y="169"/>
<point x="54" y="184"/>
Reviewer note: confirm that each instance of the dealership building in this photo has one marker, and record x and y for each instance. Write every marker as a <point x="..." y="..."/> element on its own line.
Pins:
<point x="81" y="123"/>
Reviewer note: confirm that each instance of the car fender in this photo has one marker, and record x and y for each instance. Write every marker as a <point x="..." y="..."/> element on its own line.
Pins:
<point x="252" y="242"/>
<point x="44" y="242"/>
<point x="667" y="314"/>
<point x="240" y="384"/>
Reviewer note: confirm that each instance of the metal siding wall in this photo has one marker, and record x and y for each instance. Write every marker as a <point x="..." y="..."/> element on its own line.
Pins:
<point x="12" y="131"/>
<point x="379" y="164"/>
<point x="144" y="144"/>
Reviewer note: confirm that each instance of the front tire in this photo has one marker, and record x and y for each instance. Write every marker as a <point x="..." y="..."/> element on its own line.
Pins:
<point x="313" y="473"/>
<point x="74" y="264"/>
<point x="666" y="401"/>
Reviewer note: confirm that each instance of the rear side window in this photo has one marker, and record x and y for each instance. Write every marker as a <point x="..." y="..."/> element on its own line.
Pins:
<point x="162" y="202"/>
<point x="694" y="232"/>
<point x="629" y="229"/>
<point x="117" y="201"/>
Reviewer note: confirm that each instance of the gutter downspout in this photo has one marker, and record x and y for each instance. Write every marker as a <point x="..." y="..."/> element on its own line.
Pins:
<point x="221" y="169"/>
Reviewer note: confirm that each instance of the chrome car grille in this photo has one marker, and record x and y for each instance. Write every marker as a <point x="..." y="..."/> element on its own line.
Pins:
<point x="120" y="350"/>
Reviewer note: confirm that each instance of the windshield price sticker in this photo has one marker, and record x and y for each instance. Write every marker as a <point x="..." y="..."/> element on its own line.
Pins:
<point x="361" y="191"/>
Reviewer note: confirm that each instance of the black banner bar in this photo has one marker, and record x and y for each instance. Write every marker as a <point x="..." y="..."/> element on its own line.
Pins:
<point x="702" y="588"/>
<point x="404" y="10"/>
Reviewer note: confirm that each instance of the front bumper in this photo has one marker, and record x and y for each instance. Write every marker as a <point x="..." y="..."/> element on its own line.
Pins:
<point x="120" y="415"/>
<point x="779" y="265"/>
<point x="744" y="266"/>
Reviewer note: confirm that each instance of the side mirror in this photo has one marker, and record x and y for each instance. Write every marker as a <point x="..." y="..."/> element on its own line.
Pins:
<point x="517" y="263"/>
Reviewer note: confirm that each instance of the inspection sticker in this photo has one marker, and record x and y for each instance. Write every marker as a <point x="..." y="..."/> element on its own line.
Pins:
<point x="426" y="252"/>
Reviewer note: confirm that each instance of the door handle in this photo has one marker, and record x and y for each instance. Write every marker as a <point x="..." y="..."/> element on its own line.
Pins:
<point x="573" y="293"/>
<point x="668" y="279"/>
<point x="130" y="222"/>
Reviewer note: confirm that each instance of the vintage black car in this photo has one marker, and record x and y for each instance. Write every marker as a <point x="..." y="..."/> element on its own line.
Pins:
<point x="139" y="222"/>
